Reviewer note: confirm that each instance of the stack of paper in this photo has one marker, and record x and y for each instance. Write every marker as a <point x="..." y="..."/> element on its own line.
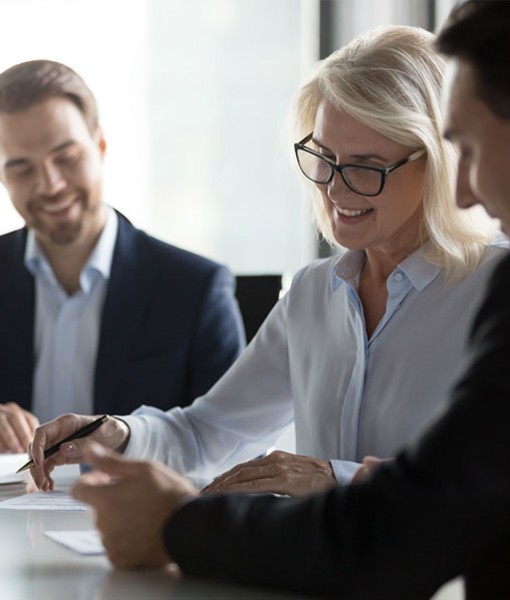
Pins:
<point x="9" y="464"/>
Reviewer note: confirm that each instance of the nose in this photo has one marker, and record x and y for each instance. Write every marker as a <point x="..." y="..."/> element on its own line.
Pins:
<point x="337" y="188"/>
<point x="49" y="180"/>
<point x="465" y="196"/>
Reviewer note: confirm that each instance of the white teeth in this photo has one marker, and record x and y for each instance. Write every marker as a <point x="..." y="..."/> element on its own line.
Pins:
<point x="57" y="207"/>
<point x="353" y="213"/>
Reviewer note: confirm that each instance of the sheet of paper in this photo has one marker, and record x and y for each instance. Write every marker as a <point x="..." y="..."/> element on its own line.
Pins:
<point x="9" y="464"/>
<point x="12" y="479"/>
<point x="83" y="542"/>
<point x="57" y="500"/>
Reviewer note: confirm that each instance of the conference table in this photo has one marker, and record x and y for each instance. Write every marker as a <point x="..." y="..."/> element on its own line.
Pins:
<point x="33" y="566"/>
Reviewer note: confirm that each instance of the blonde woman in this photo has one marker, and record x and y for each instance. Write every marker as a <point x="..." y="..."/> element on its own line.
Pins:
<point x="361" y="352"/>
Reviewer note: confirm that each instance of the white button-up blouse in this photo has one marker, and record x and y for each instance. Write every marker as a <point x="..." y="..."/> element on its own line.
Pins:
<point x="312" y="364"/>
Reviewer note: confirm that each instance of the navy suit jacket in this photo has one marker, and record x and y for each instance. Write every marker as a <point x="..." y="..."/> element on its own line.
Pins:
<point x="440" y="510"/>
<point x="170" y="325"/>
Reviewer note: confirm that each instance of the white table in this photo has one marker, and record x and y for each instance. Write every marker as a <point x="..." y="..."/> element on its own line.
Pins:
<point x="34" y="567"/>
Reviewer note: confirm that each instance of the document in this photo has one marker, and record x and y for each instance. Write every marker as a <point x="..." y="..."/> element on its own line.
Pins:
<point x="9" y="464"/>
<point x="83" y="542"/>
<point x="57" y="500"/>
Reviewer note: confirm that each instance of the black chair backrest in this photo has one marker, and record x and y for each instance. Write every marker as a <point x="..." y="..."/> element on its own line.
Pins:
<point x="256" y="296"/>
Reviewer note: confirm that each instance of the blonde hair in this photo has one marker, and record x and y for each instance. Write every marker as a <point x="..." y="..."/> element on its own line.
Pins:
<point x="390" y="80"/>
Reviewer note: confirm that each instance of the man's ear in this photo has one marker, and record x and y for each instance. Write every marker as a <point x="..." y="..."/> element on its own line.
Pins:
<point x="100" y="140"/>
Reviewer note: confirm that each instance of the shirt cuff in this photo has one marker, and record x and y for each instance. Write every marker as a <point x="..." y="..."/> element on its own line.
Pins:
<point x="137" y="431"/>
<point x="344" y="470"/>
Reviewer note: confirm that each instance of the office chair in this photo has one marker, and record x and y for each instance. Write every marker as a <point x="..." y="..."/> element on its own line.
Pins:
<point x="256" y="296"/>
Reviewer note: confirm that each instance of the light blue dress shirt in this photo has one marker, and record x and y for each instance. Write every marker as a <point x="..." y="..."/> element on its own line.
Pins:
<point x="312" y="364"/>
<point x="66" y="333"/>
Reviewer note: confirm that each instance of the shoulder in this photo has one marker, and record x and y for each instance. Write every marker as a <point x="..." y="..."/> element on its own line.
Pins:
<point x="501" y="275"/>
<point x="13" y="237"/>
<point x="12" y="244"/>
<point x="496" y="251"/>
<point x="492" y="256"/>
<point x="313" y="286"/>
<point x="496" y="305"/>
<point x="316" y="272"/>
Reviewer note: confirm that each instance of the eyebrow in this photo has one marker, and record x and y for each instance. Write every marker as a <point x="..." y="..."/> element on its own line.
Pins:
<point x="355" y="156"/>
<point x="21" y="161"/>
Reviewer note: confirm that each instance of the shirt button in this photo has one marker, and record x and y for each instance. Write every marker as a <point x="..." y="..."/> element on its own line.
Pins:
<point x="398" y="277"/>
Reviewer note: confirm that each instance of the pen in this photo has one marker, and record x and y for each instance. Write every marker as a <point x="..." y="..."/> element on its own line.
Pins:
<point x="84" y="431"/>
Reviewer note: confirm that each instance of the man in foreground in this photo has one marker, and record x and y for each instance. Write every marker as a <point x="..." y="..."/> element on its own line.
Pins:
<point x="441" y="509"/>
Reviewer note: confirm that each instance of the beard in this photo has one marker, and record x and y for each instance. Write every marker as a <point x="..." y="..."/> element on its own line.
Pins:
<point x="64" y="233"/>
<point x="69" y="228"/>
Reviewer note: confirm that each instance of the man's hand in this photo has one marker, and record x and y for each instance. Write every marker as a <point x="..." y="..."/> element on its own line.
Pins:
<point x="113" y="434"/>
<point x="278" y="472"/>
<point x="131" y="501"/>
<point x="368" y="466"/>
<point x="16" y="427"/>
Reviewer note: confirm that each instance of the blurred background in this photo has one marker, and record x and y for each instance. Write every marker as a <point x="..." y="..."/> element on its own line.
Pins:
<point x="193" y="96"/>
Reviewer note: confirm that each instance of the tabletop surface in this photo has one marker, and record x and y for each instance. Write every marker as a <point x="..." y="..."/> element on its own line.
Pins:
<point x="34" y="566"/>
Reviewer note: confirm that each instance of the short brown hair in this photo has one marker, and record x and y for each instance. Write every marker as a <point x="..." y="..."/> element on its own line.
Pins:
<point x="478" y="31"/>
<point x="28" y="83"/>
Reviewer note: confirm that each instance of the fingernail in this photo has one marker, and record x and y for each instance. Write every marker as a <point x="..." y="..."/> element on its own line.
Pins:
<point x="67" y="448"/>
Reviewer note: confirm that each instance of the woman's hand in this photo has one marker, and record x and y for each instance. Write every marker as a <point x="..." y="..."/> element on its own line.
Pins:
<point x="112" y="434"/>
<point x="279" y="472"/>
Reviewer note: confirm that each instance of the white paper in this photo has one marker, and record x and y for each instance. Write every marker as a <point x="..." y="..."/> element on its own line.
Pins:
<point x="12" y="479"/>
<point x="56" y="500"/>
<point x="9" y="464"/>
<point x="83" y="542"/>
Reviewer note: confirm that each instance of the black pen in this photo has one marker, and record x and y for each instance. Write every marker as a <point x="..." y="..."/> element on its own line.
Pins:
<point x="84" y="431"/>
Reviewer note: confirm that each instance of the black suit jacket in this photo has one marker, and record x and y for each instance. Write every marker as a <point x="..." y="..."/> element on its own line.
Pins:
<point x="441" y="509"/>
<point x="170" y="325"/>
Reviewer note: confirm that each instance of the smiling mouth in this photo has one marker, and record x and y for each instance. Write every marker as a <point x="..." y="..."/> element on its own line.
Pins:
<point x="55" y="208"/>
<point x="348" y="212"/>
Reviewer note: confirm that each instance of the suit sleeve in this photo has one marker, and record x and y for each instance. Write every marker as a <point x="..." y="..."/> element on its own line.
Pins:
<point x="441" y="509"/>
<point x="219" y="337"/>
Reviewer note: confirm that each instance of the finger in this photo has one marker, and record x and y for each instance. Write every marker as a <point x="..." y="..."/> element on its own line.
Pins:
<point x="18" y="420"/>
<point x="32" y="422"/>
<point x="9" y="441"/>
<point x="360" y="475"/>
<point x="42" y="474"/>
<point x="111" y="462"/>
<point x="52" y="432"/>
<point x="254" y="486"/>
<point x="247" y="475"/>
<point x="88" y="490"/>
<point x="235" y="472"/>
<point x="218" y="482"/>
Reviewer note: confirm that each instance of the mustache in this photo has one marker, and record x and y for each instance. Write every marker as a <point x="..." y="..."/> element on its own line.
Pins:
<point x="51" y="198"/>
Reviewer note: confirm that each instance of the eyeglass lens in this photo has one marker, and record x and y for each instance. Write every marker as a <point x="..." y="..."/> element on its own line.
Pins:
<point x="361" y="180"/>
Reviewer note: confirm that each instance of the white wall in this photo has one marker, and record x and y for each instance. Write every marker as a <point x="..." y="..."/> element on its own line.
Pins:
<point x="192" y="97"/>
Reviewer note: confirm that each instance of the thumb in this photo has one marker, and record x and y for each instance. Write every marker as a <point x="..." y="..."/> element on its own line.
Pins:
<point x="108" y="461"/>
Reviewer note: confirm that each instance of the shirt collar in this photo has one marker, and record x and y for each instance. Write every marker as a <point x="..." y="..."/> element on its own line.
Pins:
<point x="418" y="270"/>
<point x="100" y="259"/>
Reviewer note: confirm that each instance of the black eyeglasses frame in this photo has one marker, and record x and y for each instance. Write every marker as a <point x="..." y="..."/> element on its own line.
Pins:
<point x="383" y="171"/>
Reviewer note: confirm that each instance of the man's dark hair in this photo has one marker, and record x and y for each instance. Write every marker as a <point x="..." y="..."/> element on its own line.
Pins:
<point x="478" y="31"/>
<point x="26" y="84"/>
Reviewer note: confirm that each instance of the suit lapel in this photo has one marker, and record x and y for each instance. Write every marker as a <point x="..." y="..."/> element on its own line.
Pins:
<point x="131" y="282"/>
